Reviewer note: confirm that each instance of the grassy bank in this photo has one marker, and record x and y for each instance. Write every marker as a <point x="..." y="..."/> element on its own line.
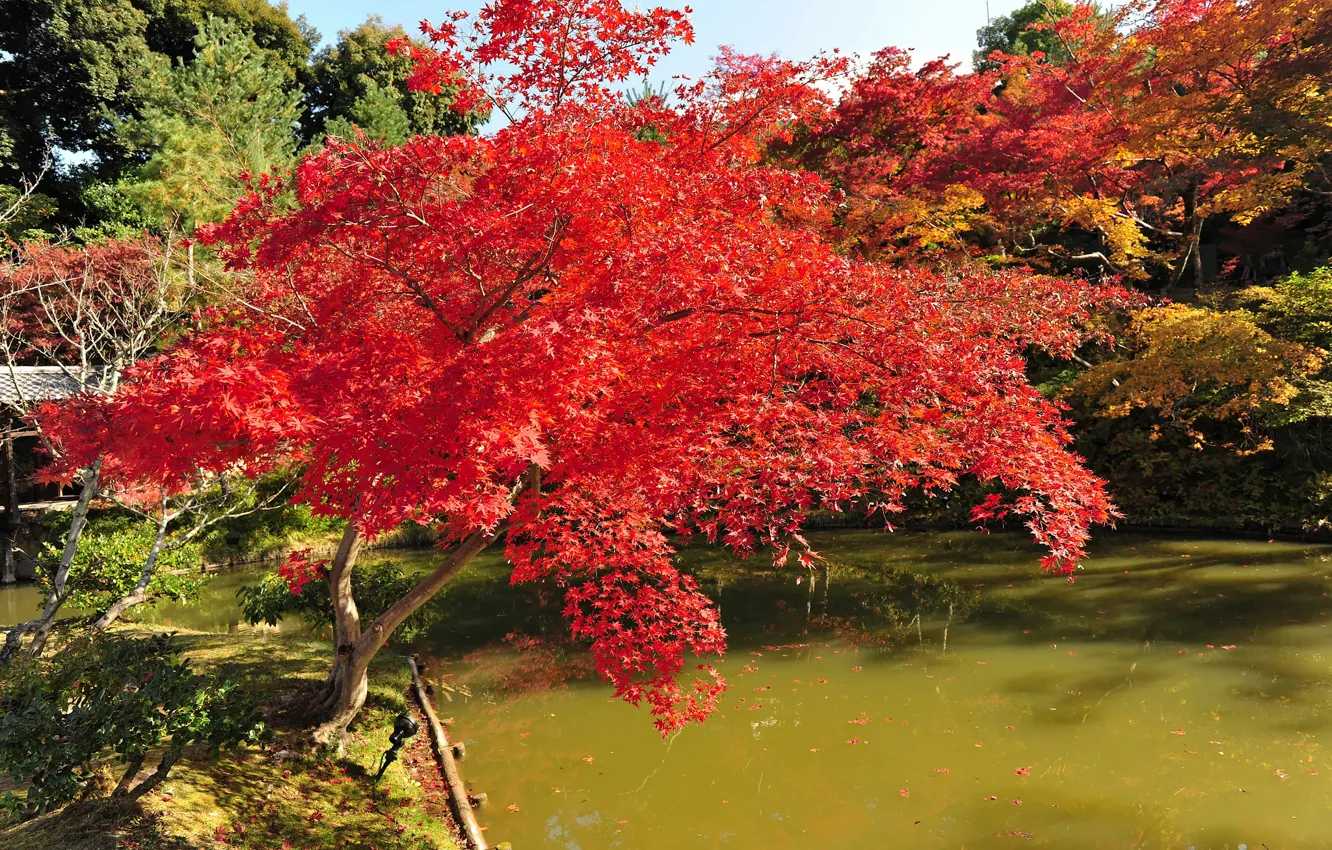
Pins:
<point x="273" y="797"/>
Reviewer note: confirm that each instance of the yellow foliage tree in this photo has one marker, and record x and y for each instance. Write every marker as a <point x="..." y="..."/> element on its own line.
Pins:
<point x="1192" y="366"/>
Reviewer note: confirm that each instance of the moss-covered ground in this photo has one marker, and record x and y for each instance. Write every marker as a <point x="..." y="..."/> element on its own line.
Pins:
<point x="277" y="796"/>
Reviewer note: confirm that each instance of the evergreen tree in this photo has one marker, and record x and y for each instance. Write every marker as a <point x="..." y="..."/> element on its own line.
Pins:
<point x="67" y="67"/>
<point x="378" y="113"/>
<point x="359" y="82"/>
<point x="1012" y="34"/>
<point x="228" y="113"/>
<point x="71" y="75"/>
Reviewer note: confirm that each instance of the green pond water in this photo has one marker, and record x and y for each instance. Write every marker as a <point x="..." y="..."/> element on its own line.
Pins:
<point x="1177" y="695"/>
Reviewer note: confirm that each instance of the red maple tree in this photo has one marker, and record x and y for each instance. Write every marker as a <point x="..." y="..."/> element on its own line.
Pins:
<point x="1158" y="116"/>
<point x="599" y="326"/>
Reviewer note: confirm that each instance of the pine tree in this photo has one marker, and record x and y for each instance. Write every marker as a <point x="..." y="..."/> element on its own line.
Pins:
<point x="378" y="113"/>
<point x="229" y="113"/>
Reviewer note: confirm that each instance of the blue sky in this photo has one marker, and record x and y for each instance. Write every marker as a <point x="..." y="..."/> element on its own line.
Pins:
<point x="791" y="28"/>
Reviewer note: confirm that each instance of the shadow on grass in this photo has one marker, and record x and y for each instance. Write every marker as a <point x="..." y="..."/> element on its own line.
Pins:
<point x="275" y="797"/>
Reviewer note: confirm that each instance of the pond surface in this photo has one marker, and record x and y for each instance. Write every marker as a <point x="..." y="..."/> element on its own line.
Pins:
<point x="1176" y="695"/>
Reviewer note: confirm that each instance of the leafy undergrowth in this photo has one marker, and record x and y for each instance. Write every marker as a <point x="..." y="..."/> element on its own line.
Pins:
<point x="275" y="797"/>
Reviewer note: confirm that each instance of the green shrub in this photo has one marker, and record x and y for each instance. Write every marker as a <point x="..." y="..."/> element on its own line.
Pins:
<point x="109" y="699"/>
<point x="376" y="586"/>
<point x="110" y="559"/>
<point x="261" y="532"/>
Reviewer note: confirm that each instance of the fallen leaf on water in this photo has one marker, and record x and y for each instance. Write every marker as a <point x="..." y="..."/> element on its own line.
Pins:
<point x="512" y="807"/>
<point x="764" y="688"/>
<point x="1023" y="771"/>
<point x="904" y="792"/>
<point x="862" y="720"/>
<point x="1313" y="773"/>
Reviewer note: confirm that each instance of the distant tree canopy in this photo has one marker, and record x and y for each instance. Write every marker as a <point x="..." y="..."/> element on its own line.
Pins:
<point x="69" y="68"/>
<point x="144" y="113"/>
<point x="1012" y="34"/>
<point x="359" y="82"/>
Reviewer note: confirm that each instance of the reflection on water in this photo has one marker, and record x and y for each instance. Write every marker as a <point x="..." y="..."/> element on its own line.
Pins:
<point x="214" y="611"/>
<point x="928" y="690"/>
<point x="1173" y="697"/>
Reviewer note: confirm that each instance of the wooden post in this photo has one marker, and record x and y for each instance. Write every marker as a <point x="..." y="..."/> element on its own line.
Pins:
<point x="462" y="806"/>
<point x="8" y="568"/>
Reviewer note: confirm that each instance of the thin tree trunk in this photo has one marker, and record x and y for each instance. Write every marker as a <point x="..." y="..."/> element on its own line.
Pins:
<point x="10" y="572"/>
<point x="127" y="779"/>
<point x="1195" y="253"/>
<point x="78" y="521"/>
<point x="349" y="689"/>
<point x="1192" y="259"/>
<point x="140" y="592"/>
<point x="158" y="776"/>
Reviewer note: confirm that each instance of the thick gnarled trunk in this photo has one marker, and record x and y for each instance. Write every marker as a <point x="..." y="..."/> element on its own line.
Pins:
<point x="343" y="693"/>
<point x="340" y="700"/>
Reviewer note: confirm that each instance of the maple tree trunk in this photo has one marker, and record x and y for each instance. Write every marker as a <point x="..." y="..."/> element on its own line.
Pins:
<point x="1195" y="253"/>
<point x="140" y="592"/>
<point x="344" y="693"/>
<point x="1192" y="259"/>
<point x="59" y="591"/>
